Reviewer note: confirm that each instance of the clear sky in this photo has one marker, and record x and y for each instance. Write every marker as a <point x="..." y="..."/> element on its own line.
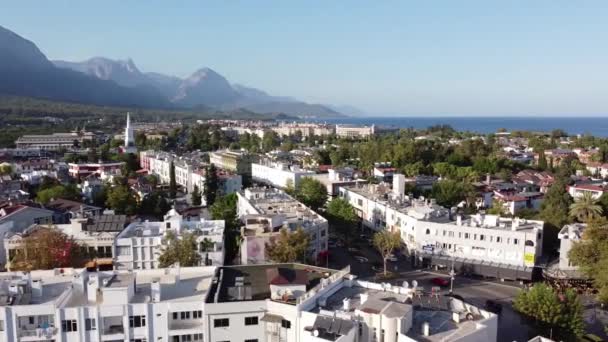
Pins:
<point x="384" y="57"/>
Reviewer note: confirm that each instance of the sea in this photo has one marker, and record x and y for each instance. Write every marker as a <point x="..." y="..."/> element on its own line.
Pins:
<point x="597" y="126"/>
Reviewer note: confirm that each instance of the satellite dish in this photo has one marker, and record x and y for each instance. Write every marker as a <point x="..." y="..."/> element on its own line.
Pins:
<point x="405" y="284"/>
<point x="414" y="283"/>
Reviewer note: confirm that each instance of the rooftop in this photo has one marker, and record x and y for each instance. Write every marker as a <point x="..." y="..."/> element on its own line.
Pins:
<point x="252" y="282"/>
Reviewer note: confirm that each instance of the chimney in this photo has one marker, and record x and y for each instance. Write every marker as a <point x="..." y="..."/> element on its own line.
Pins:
<point x="426" y="329"/>
<point x="364" y="297"/>
<point x="155" y="289"/>
<point x="36" y="288"/>
<point x="346" y="304"/>
<point x="92" y="287"/>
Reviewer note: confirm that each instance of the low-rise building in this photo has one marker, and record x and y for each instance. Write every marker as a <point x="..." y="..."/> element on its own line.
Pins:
<point x="335" y="178"/>
<point x="264" y="212"/>
<point x="95" y="233"/>
<point x="140" y="244"/>
<point x="596" y="189"/>
<point x="55" y="141"/>
<point x="598" y="169"/>
<point x="235" y="161"/>
<point x="278" y="174"/>
<point x="101" y="169"/>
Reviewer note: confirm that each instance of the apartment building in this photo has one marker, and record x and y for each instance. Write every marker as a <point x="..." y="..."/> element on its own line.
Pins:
<point x="253" y="303"/>
<point x="278" y="174"/>
<point x="189" y="172"/>
<point x="292" y="302"/>
<point x="336" y="178"/>
<point x="264" y="212"/>
<point x="103" y="170"/>
<point x="482" y="244"/>
<point x="73" y="305"/>
<point x="235" y="161"/>
<point x="140" y="244"/>
<point x="96" y="233"/>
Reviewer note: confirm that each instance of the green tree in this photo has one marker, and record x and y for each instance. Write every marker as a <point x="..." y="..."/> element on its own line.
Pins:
<point x="270" y="141"/>
<point x="591" y="255"/>
<point x="196" y="196"/>
<point x="211" y="184"/>
<point x="6" y="169"/>
<point x="224" y="208"/>
<point x="121" y="200"/>
<point x="288" y="246"/>
<point x="172" y="182"/>
<point x="585" y="207"/>
<point x="342" y="217"/>
<point x="69" y="192"/>
<point x="182" y="250"/>
<point x="386" y="242"/>
<point x="311" y="192"/>
<point x="554" y="212"/>
<point x="554" y="314"/>
<point x="542" y="160"/>
<point x="449" y="193"/>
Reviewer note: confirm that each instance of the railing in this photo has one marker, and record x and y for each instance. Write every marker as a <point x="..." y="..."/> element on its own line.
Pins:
<point x="38" y="332"/>
<point x="324" y="283"/>
<point x="114" y="329"/>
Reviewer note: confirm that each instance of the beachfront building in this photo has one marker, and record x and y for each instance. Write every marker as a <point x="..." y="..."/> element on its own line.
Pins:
<point x="264" y="212"/>
<point x="352" y="131"/>
<point x="140" y="244"/>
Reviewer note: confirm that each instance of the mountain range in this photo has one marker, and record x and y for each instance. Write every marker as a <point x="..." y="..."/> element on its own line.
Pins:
<point x="26" y="71"/>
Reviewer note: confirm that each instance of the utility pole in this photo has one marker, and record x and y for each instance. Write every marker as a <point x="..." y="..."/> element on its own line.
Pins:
<point x="452" y="274"/>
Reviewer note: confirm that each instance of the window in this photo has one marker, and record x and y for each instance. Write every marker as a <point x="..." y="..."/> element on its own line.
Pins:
<point x="530" y="243"/>
<point x="474" y="236"/>
<point x="197" y="337"/>
<point x="137" y="321"/>
<point x="89" y="324"/>
<point x="286" y="324"/>
<point x="185" y="315"/>
<point x="428" y="231"/>
<point x="515" y="241"/>
<point x="68" y="325"/>
<point x="252" y="340"/>
<point x="498" y="239"/>
<point x="251" y="320"/>
<point x="31" y="320"/>
<point x="123" y="250"/>
<point x="1" y="325"/>
<point x="444" y="232"/>
<point x="175" y="315"/>
<point x="168" y="225"/>
<point x="221" y="322"/>
<point x="466" y="235"/>
<point x="322" y="233"/>
<point x="482" y="237"/>
<point x="138" y="339"/>
<point x="197" y="314"/>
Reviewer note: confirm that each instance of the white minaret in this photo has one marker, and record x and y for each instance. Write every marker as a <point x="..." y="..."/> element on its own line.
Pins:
<point x="129" y="136"/>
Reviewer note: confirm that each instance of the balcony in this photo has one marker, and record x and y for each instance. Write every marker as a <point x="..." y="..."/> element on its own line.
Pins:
<point x="191" y="324"/>
<point x="113" y="328"/>
<point x="37" y="334"/>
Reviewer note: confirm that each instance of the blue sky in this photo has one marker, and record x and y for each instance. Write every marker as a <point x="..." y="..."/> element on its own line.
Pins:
<point x="385" y="57"/>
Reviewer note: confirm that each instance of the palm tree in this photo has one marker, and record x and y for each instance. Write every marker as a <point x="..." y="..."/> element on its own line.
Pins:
<point x="585" y="207"/>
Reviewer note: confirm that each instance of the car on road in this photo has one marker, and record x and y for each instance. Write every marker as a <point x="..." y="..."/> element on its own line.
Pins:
<point x="361" y="259"/>
<point x="392" y="258"/>
<point x="493" y="306"/>
<point x="440" y="281"/>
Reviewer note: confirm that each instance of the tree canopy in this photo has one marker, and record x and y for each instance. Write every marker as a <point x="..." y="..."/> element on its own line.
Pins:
<point x="554" y="211"/>
<point x="182" y="250"/>
<point x="211" y="184"/>
<point x="121" y="200"/>
<point x="386" y="242"/>
<point x="342" y="217"/>
<point x="288" y="246"/>
<point x="591" y="255"/>
<point x="47" y="248"/>
<point x="554" y="314"/>
<point x="311" y="192"/>
<point x="585" y="207"/>
<point x="68" y="192"/>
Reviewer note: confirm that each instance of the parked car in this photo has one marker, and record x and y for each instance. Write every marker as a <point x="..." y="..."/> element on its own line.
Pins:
<point x="493" y="306"/>
<point x="440" y="281"/>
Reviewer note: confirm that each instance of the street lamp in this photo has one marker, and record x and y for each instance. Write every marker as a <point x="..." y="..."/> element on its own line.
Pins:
<point x="452" y="274"/>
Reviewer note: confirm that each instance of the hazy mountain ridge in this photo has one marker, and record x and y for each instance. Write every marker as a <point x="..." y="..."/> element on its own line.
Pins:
<point x="26" y="71"/>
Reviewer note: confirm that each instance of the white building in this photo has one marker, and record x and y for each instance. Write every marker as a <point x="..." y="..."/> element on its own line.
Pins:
<point x="274" y="303"/>
<point x="140" y="245"/>
<point x="508" y="247"/>
<point x="278" y="174"/>
<point x="351" y="131"/>
<point x="95" y="233"/>
<point x="597" y="189"/>
<point x="77" y="306"/>
<point x="264" y="212"/>
<point x="568" y="236"/>
<point x="291" y="302"/>
<point x="336" y="178"/>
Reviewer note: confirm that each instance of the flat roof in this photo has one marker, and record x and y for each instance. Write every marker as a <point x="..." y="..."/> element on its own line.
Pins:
<point x="255" y="280"/>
